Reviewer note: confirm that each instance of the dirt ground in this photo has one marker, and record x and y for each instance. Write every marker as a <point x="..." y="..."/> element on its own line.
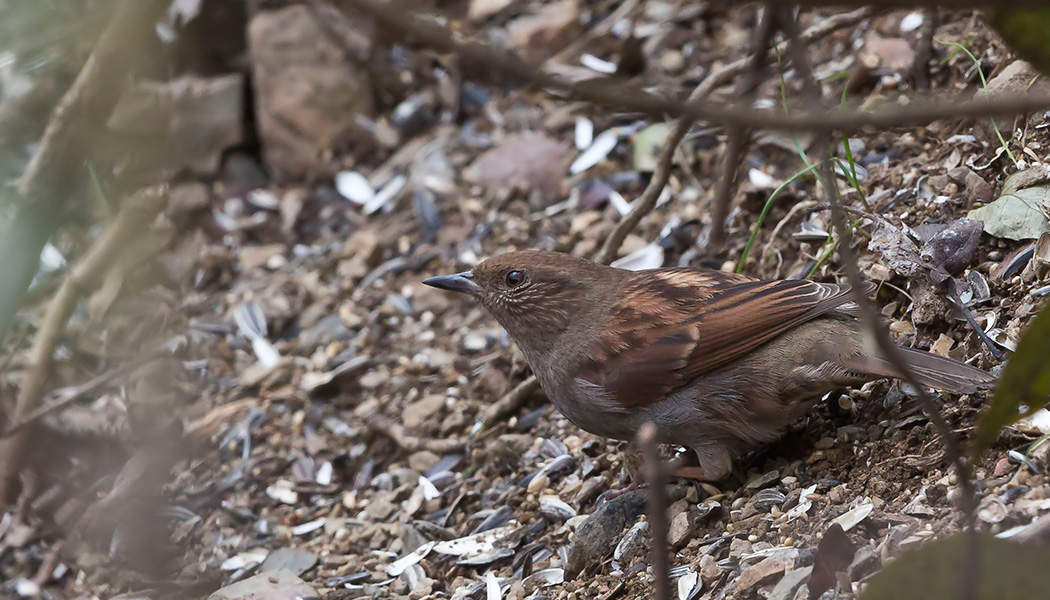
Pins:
<point x="365" y="440"/>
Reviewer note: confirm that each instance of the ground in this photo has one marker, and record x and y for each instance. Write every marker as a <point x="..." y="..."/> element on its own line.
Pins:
<point x="365" y="441"/>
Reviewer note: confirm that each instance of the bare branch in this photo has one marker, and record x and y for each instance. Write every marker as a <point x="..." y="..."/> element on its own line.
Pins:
<point x="616" y="93"/>
<point x="410" y="443"/>
<point x="656" y="476"/>
<point x="50" y="176"/>
<point x="647" y="201"/>
<point x="738" y="138"/>
<point x="133" y="220"/>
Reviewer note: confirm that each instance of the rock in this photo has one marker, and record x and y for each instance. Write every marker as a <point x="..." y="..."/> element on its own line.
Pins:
<point x="279" y="585"/>
<point x="739" y="547"/>
<point x="672" y="61"/>
<point x="976" y="187"/>
<point x="530" y="162"/>
<point x="195" y="118"/>
<point x="296" y="560"/>
<point x="307" y="92"/>
<point x="790" y="583"/>
<point x="865" y="562"/>
<point x="709" y="569"/>
<point x="422" y="461"/>
<point x="327" y="330"/>
<point x="764" y="480"/>
<point x="418" y="412"/>
<point x="884" y="56"/>
<point x="598" y="535"/>
<point x="538" y="37"/>
<point x="763" y="571"/>
<point x="1015" y="78"/>
<point x="683" y="525"/>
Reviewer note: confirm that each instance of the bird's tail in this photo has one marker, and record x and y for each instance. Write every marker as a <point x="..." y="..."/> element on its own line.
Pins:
<point x="935" y="371"/>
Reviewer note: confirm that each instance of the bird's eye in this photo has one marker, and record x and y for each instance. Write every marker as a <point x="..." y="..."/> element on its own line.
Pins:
<point x="515" y="278"/>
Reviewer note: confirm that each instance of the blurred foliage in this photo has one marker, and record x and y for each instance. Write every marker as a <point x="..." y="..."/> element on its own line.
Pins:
<point x="1025" y="31"/>
<point x="1007" y="571"/>
<point x="52" y="35"/>
<point x="1024" y="387"/>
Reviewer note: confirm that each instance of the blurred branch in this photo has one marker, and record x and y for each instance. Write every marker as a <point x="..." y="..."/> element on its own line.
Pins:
<point x="510" y="403"/>
<point x="624" y="95"/>
<point x="647" y="201"/>
<point x="737" y="137"/>
<point x="50" y="176"/>
<point x="134" y="219"/>
<point x="656" y="476"/>
<point x="410" y="443"/>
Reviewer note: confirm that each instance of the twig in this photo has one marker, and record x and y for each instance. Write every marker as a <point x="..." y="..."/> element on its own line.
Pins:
<point x="737" y="137"/>
<point x="647" y="201"/>
<point x="924" y="49"/>
<point x="967" y="314"/>
<point x="133" y="221"/>
<point x="614" y="92"/>
<point x="656" y="475"/>
<point x="49" y="178"/>
<point x="592" y="33"/>
<point x="411" y="443"/>
<point x="511" y="402"/>
<point x="80" y="394"/>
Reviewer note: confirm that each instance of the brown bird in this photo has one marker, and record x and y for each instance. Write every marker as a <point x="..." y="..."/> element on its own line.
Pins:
<point x="719" y="362"/>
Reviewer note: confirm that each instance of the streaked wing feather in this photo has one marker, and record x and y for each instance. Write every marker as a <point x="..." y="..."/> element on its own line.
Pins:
<point x="674" y="325"/>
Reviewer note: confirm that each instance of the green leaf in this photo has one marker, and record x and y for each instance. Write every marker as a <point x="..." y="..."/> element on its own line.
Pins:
<point x="1019" y="213"/>
<point x="1024" y="387"/>
<point x="1007" y="571"/>
<point x="647" y="144"/>
<point x="1025" y="32"/>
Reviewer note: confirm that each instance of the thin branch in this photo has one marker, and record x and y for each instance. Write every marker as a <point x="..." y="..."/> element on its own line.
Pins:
<point x="410" y="443"/>
<point x="49" y="179"/>
<point x="80" y="394"/>
<point x="511" y="402"/>
<point x="647" y="201"/>
<point x="134" y="219"/>
<point x="614" y="92"/>
<point x="924" y="49"/>
<point x="656" y="475"/>
<point x="737" y="137"/>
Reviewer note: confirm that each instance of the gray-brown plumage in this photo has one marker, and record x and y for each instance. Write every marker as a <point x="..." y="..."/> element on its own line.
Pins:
<point x="719" y="362"/>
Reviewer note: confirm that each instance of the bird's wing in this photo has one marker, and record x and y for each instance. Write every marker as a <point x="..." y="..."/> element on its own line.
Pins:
<point x="673" y="325"/>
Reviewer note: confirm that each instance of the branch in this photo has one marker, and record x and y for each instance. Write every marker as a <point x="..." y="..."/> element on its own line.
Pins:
<point x="134" y="219"/>
<point x="616" y="93"/>
<point x="738" y="138"/>
<point x="510" y="403"/>
<point x="410" y="443"/>
<point x="52" y="173"/>
<point x="647" y="201"/>
<point x="656" y="475"/>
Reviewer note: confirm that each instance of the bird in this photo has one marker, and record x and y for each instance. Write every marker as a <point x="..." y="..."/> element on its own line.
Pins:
<point x="719" y="362"/>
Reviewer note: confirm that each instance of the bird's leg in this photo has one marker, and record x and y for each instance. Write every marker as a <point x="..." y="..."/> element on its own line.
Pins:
<point x="632" y="462"/>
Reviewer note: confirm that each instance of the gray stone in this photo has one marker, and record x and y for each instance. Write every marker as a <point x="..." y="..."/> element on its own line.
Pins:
<point x="790" y="583"/>
<point x="307" y="92"/>
<point x="278" y="585"/>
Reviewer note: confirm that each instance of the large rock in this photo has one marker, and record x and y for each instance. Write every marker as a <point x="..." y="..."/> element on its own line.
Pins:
<point x="307" y="92"/>
<point x="279" y="585"/>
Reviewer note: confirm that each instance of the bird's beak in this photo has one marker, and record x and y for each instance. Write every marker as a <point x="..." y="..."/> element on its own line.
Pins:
<point x="458" y="282"/>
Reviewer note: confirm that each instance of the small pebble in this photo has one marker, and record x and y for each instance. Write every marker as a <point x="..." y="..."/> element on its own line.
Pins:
<point x="538" y="483"/>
